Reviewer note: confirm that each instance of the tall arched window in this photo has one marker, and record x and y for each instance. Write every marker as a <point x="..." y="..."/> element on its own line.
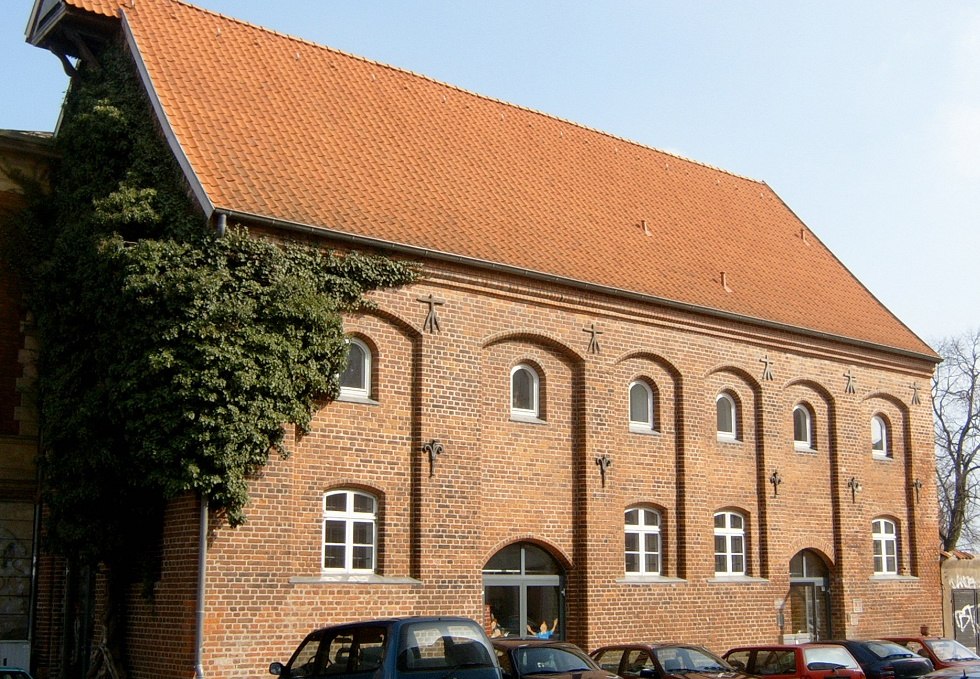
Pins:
<point x="642" y="527"/>
<point x="727" y="416"/>
<point x="350" y="520"/>
<point x="884" y="536"/>
<point x="803" y="428"/>
<point x="880" y="443"/>
<point x="641" y="406"/>
<point x="355" y="381"/>
<point x="524" y="392"/>
<point x="729" y="543"/>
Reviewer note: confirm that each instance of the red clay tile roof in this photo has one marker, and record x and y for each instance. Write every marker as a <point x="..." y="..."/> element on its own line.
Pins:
<point x="289" y="130"/>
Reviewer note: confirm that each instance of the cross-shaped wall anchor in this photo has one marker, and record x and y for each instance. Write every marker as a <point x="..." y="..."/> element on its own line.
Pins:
<point x="917" y="485"/>
<point x="604" y="461"/>
<point x="434" y="448"/>
<point x="775" y="479"/>
<point x="855" y="487"/>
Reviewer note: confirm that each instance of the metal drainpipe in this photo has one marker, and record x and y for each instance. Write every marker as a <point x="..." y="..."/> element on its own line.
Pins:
<point x="222" y="225"/>
<point x="202" y="554"/>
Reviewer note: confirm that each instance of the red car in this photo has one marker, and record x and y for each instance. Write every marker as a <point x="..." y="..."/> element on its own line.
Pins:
<point x="808" y="661"/>
<point x="942" y="652"/>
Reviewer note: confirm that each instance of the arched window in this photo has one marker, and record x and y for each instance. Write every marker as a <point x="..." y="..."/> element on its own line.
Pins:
<point x="350" y="520"/>
<point x="524" y="390"/>
<point x="641" y="407"/>
<point x="729" y="543"/>
<point x="884" y="536"/>
<point x="803" y="428"/>
<point x="727" y="416"/>
<point x="642" y="541"/>
<point x="880" y="440"/>
<point x="355" y="381"/>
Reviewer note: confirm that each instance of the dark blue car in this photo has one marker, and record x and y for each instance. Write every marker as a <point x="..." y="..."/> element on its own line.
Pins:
<point x="395" y="648"/>
<point x="882" y="659"/>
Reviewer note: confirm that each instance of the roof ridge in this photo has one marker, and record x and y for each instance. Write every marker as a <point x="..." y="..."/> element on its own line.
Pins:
<point x="463" y="90"/>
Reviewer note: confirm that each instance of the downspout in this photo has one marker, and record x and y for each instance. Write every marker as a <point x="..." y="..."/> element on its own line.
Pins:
<point x="222" y="225"/>
<point x="202" y="559"/>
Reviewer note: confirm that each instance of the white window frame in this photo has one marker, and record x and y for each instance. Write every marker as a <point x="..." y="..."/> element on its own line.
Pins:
<point x="350" y="517"/>
<point x="363" y="391"/>
<point x="806" y="442"/>
<point x="731" y="537"/>
<point x="534" y="412"/>
<point x="646" y="425"/>
<point x="732" y="434"/>
<point x="648" y="521"/>
<point x="884" y="538"/>
<point x="884" y="450"/>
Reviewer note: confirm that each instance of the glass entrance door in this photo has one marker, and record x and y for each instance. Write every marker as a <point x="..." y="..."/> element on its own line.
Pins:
<point x="523" y="593"/>
<point x="808" y="602"/>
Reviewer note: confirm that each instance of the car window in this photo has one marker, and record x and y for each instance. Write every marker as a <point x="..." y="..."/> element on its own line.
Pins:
<point x="352" y="651"/>
<point x="548" y="659"/>
<point x="831" y="655"/>
<point x="887" y="649"/>
<point x="681" y="658"/>
<point x="776" y="661"/>
<point x="636" y="660"/>
<point x="740" y="659"/>
<point x="948" y="649"/>
<point x="441" y="645"/>
<point x="609" y="659"/>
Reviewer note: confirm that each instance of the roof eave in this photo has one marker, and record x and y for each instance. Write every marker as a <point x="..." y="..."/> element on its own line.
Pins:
<point x="426" y="253"/>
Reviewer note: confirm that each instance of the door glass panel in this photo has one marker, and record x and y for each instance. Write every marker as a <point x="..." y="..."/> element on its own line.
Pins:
<point x="507" y="560"/>
<point x="505" y="611"/>
<point x="543" y="612"/>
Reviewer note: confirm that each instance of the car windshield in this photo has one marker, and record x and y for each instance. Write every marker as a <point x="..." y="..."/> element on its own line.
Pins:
<point x="680" y="659"/>
<point x="551" y="660"/>
<point x="438" y="645"/>
<point x="948" y="649"/>
<point x="885" y="650"/>
<point x="832" y="655"/>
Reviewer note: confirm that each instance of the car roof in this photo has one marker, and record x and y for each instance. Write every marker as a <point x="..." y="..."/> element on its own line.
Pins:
<point x="516" y="642"/>
<point x="386" y="622"/>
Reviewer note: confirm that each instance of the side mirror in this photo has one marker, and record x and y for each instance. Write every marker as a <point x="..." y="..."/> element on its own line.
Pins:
<point x="737" y="664"/>
<point x="648" y="672"/>
<point x="276" y="668"/>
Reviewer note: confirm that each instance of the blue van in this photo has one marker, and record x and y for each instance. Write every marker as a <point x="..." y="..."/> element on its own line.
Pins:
<point x="396" y="648"/>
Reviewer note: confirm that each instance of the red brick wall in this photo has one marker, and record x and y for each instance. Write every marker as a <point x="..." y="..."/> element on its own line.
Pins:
<point x="501" y="481"/>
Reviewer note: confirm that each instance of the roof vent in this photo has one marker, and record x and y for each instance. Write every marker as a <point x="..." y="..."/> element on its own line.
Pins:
<point x="803" y="236"/>
<point x="724" y="281"/>
<point x="646" y="229"/>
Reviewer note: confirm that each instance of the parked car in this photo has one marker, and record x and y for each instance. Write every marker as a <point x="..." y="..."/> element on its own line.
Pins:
<point x="396" y="648"/>
<point x="809" y="661"/>
<point x="942" y="652"/>
<point x="883" y="659"/>
<point x="662" y="661"/>
<point x="524" y="658"/>
<point x="958" y="672"/>
<point x="14" y="673"/>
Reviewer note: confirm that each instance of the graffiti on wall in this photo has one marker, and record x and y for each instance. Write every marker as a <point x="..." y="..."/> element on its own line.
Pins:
<point x="966" y="619"/>
<point x="963" y="582"/>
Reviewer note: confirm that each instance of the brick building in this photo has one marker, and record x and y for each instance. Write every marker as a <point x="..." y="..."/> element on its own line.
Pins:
<point x="633" y="396"/>
<point x="24" y="154"/>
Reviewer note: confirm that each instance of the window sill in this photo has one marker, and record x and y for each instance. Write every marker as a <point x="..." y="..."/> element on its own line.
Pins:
<point x="736" y="580"/>
<point x="526" y="418"/>
<point x="650" y="580"/>
<point x="803" y="448"/>
<point x="892" y="577"/>
<point x="356" y="398"/>
<point x="352" y="579"/>
<point x="882" y="457"/>
<point x="644" y="429"/>
<point x="730" y="440"/>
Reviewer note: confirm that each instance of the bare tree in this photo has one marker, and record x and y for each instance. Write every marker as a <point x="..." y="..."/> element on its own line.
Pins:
<point x="956" y="405"/>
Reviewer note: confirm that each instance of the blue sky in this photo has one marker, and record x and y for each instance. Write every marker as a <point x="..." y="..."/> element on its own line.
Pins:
<point x="863" y="116"/>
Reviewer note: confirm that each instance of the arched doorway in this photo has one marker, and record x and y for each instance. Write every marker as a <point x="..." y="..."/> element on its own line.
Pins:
<point x="524" y="593"/>
<point x="809" y="598"/>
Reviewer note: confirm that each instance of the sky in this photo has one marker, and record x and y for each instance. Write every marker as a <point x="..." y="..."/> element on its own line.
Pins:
<point x="864" y="117"/>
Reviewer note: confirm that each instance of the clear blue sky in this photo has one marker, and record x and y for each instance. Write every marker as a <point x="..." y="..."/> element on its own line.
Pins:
<point x="863" y="116"/>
